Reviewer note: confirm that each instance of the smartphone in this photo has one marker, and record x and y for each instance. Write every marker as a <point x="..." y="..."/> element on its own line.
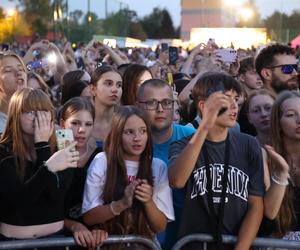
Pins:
<point x="164" y="47"/>
<point x="227" y="55"/>
<point x="64" y="137"/>
<point x="218" y="87"/>
<point x="173" y="55"/>
<point x="34" y="65"/>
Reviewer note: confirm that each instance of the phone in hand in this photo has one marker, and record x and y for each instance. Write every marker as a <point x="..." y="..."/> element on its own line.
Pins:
<point x="173" y="55"/>
<point x="164" y="47"/>
<point x="34" y="65"/>
<point x="5" y="47"/>
<point x="227" y="55"/>
<point x="64" y="137"/>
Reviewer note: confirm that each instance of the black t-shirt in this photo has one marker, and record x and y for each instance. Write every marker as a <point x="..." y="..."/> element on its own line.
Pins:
<point x="245" y="177"/>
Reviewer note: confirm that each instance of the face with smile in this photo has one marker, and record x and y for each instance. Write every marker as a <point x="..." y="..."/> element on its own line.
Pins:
<point x="160" y="118"/>
<point x="290" y="119"/>
<point x="108" y="89"/>
<point x="134" y="138"/>
<point x="81" y="124"/>
<point x="259" y="115"/>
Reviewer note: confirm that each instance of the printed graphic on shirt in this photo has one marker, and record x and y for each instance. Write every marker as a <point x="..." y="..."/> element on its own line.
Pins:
<point x="237" y="182"/>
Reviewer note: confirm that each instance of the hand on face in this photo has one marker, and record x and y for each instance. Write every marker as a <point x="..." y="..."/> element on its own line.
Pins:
<point x="43" y="126"/>
<point x="212" y="107"/>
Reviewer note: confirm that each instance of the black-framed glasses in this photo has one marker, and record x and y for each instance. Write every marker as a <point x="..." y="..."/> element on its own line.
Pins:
<point x="166" y="104"/>
<point x="286" y="68"/>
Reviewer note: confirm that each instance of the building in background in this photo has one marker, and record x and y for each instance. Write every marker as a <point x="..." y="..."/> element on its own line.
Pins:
<point x="205" y="14"/>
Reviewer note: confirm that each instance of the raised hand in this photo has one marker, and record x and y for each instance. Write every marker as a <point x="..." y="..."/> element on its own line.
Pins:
<point x="129" y="194"/>
<point x="62" y="159"/>
<point x="212" y="106"/>
<point x="281" y="166"/>
<point x="143" y="191"/>
<point x="43" y="126"/>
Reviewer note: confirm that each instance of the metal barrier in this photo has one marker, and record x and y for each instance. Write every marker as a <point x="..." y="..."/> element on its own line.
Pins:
<point x="69" y="241"/>
<point x="229" y="239"/>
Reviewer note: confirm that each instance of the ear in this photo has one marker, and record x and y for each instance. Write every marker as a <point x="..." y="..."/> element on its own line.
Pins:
<point x="266" y="74"/>
<point x="200" y="106"/>
<point x="62" y="123"/>
<point x="242" y="78"/>
<point x="93" y="90"/>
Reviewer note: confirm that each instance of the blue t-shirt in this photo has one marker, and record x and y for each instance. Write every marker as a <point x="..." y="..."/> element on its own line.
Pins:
<point x="161" y="151"/>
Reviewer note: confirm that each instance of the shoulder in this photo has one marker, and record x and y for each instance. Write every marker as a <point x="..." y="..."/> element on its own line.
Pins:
<point x="241" y="138"/>
<point x="5" y="152"/>
<point x="99" y="163"/>
<point x="159" y="169"/>
<point x="182" y="131"/>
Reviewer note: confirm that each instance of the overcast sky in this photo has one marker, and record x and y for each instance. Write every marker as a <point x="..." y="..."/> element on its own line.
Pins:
<point x="144" y="7"/>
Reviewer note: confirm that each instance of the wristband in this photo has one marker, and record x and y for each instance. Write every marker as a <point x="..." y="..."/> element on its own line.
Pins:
<point x="278" y="181"/>
<point x="113" y="211"/>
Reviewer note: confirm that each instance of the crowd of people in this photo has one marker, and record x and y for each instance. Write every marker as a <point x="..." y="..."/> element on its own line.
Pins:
<point x="160" y="150"/>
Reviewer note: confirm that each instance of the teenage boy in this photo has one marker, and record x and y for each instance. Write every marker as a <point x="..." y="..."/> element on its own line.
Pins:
<point x="222" y="170"/>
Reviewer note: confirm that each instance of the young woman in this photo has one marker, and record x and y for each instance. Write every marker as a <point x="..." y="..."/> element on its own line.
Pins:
<point x="126" y="189"/>
<point x="259" y="106"/>
<point x="78" y="114"/>
<point x="33" y="183"/>
<point x="35" y="81"/>
<point x="12" y="78"/>
<point x="75" y="83"/>
<point x="285" y="171"/>
<point x="106" y="84"/>
<point x="133" y="77"/>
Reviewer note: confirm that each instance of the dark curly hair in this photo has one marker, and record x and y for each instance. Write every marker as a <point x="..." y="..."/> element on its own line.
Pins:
<point x="266" y="56"/>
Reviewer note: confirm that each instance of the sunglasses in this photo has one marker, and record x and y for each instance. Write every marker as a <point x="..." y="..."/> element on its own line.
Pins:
<point x="287" y="68"/>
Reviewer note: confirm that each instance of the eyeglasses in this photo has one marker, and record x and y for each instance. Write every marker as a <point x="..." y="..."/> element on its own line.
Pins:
<point x="30" y="115"/>
<point x="166" y="104"/>
<point x="286" y="68"/>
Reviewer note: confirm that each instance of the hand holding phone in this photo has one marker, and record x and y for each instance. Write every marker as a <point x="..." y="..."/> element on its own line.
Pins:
<point x="64" y="137"/>
<point x="227" y="55"/>
<point x="173" y="55"/>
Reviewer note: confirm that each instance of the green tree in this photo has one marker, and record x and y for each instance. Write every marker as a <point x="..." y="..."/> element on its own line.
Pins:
<point x="158" y="24"/>
<point x="37" y="13"/>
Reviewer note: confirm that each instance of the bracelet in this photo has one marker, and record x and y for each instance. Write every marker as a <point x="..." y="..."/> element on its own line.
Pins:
<point x="112" y="209"/>
<point x="278" y="181"/>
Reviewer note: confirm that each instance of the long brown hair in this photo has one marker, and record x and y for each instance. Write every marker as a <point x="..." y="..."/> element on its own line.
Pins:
<point x="132" y="220"/>
<point x="24" y="100"/>
<point x="286" y="214"/>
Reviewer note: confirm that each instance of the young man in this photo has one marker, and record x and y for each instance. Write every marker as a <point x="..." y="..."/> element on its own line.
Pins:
<point x="277" y="65"/>
<point x="155" y="97"/>
<point x="222" y="170"/>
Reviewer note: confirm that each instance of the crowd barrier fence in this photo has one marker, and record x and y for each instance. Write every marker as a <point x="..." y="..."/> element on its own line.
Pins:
<point x="229" y="239"/>
<point x="69" y="241"/>
<point x="114" y="239"/>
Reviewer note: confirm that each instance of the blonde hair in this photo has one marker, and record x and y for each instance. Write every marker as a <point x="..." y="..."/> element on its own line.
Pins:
<point x="24" y="100"/>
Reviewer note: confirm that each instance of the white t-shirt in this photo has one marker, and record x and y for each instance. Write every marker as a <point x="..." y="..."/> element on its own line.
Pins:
<point x="96" y="177"/>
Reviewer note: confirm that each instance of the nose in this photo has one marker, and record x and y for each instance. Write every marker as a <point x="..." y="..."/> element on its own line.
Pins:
<point x="81" y="129"/>
<point x="159" y="107"/>
<point x="264" y="113"/>
<point x="114" y="88"/>
<point x="137" y="136"/>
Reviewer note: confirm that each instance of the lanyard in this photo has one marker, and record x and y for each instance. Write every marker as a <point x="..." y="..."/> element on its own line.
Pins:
<point x="217" y="218"/>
